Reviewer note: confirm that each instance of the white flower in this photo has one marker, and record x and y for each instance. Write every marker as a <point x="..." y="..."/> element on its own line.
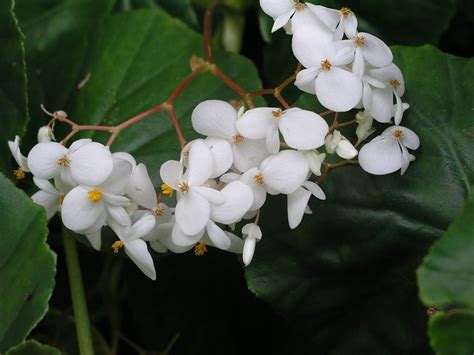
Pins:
<point x="45" y="134"/>
<point x="49" y="196"/>
<point x="193" y="209"/>
<point x="300" y="129"/>
<point x="86" y="209"/>
<point x="252" y="234"/>
<point x="337" y="143"/>
<point x="298" y="202"/>
<point x="381" y="107"/>
<point x="134" y="246"/>
<point x="315" y="160"/>
<point x="388" y="152"/>
<point x="338" y="21"/>
<point x="364" y="125"/>
<point x="85" y="162"/>
<point x="326" y="75"/>
<point x="368" y="50"/>
<point x="217" y="119"/>
<point x="19" y="158"/>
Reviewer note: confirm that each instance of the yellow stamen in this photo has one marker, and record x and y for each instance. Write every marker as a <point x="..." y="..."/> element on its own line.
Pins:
<point x="276" y="113"/>
<point x="259" y="179"/>
<point x="19" y="173"/>
<point x="167" y="190"/>
<point x="326" y="65"/>
<point x="61" y="199"/>
<point x="359" y="41"/>
<point x="94" y="195"/>
<point x="345" y="11"/>
<point x="158" y="211"/>
<point x="238" y="138"/>
<point x="200" y="249"/>
<point x="395" y="83"/>
<point x="117" y="246"/>
<point x="64" y="161"/>
<point x="398" y="133"/>
<point x="299" y="5"/>
<point x="184" y="187"/>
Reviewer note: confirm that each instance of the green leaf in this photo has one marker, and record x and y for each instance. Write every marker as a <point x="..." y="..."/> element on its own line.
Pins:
<point x="32" y="347"/>
<point x="13" y="83"/>
<point x="345" y="279"/>
<point x="27" y="265"/>
<point x="446" y="280"/>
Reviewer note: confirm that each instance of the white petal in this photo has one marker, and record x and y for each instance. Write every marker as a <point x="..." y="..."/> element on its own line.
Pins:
<point x="350" y="25"/>
<point x="366" y="95"/>
<point x="358" y="67"/>
<point x="286" y="171"/>
<point x="305" y="80"/>
<point x="256" y="123"/>
<point x="192" y="213"/>
<point x="115" y="200"/>
<point x="78" y="144"/>
<point x="95" y="239"/>
<point x="43" y="159"/>
<point x="158" y="246"/>
<point x="222" y="155"/>
<point x="406" y="159"/>
<point x="303" y="129"/>
<point x="78" y="212"/>
<point x="338" y="89"/>
<point x="171" y="172"/>
<point x="118" y="180"/>
<point x="217" y="236"/>
<point x="315" y="190"/>
<point x="229" y="177"/>
<point x="20" y="159"/>
<point x="140" y="188"/>
<point x="252" y="230"/>
<point x="391" y="72"/>
<point x="91" y="164"/>
<point x="212" y="195"/>
<point x="297" y="202"/>
<point x="409" y="138"/>
<point x="282" y="20"/>
<point x="330" y="17"/>
<point x="215" y="118"/>
<point x="376" y="52"/>
<point x="45" y="185"/>
<point x="381" y="156"/>
<point x="200" y="166"/>
<point x="249" y="250"/>
<point x="249" y="153"/>
<point x="183" y="240"/>
<point x="238" y="200"/>
<point x="310" y="45"/>
<point x="382" y="103"/>
<point x="142" y="227"/>
<point x="50" y="202"/>
<point x="272" y="140"/>
<point x="259" y="192"/>
<point x="125" y="156"/>
<point x="138" y="252"/>
<point x="118" y="215"/>
<point x="275" y="8"/>
<point x="397" y="116"/>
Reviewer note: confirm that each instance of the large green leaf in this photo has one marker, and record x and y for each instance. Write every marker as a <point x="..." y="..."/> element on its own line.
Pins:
<point x="346" y="277"/>
<point x="446" y="281"/>
<point x="13" y="96"/>
<point x="32" y="347"/>
<point x="27" y="265"/>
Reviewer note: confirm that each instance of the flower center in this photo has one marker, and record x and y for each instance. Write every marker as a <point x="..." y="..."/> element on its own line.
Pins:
<point x="326" y="65"/>
<point x="276" y="113"/>
<point x="19" y="173"/>
<point x="259" y="179"/>
<point x="166" y="190"/>
<point x="61" y="199"/>
<point x="117" y="246"/>
<point x="345" y="11"/>
<point x="64" y="161"/>
<point x="398" y="133"/>
<point x="158" y="211"/>
<point x="200" y="249"/>
<point x="94" y="195"/>
<point x="299" y="5"/>
<point x="359" y="41"/>
<point x="395" y="83"/>
<point x="183" y="187"/>
<point x="238" y="138"/>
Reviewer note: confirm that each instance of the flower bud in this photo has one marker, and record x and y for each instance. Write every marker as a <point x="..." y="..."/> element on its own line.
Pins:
<point x="346" y="150"/>
<point x="45" y="134"/>
<point x="364" y="125"/>
<point x="332" y="140"/>
<point x="252" y="233"/>
<point x="314" y="161"/>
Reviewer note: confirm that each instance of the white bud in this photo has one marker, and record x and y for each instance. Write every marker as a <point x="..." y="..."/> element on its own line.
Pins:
<point x="315" y="161"/>
<point x="346" y="150"/>
<point x="252" y="233"/>
<point x="45" y="134"/>
<point x="364" y="125"/>
<point x="332" y="140"/>
<point x="241" y="111"/>
<point x="61" y="113"/>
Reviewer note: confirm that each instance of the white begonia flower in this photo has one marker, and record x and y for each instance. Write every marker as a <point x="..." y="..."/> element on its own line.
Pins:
<point x="381" y="108"/>
<point x="133" y="244"/>
<point x="338" y="21"/>
<point x="85" y="162"/>
<point x="297" y="202"/>
<point x="327" y="76"/>
<point x="49" y="196"/>
<point x="300" y="129"/>
<point x="282" y="173"/>
<point x="252" y="234"/>
<point x="364" y="125"/>
<point x="388" y="152"/>
<point x="289" y="14"/>
<point x="337" y="143"/>
<point x="45" y="134"/>
<point x="217" y="119"/>
<point x="193" y="209"/>
<point x="368" y="49"/>
<point x="19" y="158"/>
<point x="315" y="160"/>
<point x="86" y="209"/>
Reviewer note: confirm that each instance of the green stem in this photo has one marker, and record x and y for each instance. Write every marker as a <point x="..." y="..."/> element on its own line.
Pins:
<point x="81" y="315"/>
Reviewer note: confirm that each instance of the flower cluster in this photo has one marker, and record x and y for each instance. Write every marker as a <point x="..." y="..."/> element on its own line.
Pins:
<point x="224" y="178"/>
